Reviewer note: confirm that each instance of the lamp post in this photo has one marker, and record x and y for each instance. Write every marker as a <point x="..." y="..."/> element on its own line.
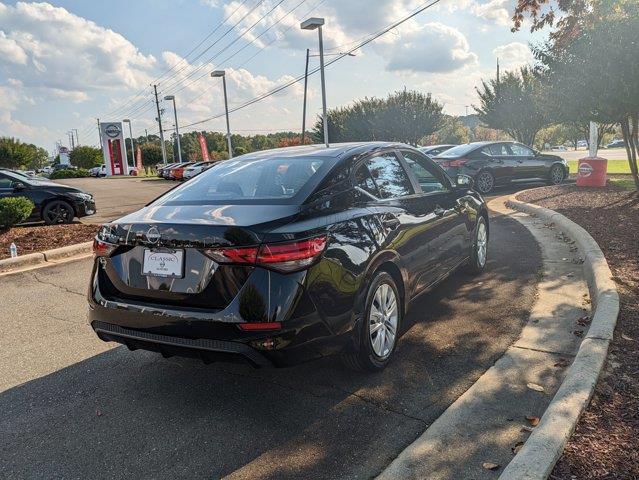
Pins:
<point x="177" y="131"/>
<point x="312" y="24"/>
<point x="126" y="120"/>
<point x="222" y="73"/>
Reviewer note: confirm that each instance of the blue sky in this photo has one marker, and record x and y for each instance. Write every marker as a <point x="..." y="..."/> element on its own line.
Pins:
<point x="64" y="63"/>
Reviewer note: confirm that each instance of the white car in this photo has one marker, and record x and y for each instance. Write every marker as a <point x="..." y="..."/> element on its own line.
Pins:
<point x="196" y="169"/>
<point x="559" y="148"/>
<point x="98" y="171"/>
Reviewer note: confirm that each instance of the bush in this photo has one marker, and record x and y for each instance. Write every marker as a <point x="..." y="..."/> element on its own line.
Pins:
<point x="79" y="173"/>
<point x="14" y="210"/>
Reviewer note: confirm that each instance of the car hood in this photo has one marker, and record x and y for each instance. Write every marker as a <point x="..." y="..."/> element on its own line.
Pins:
<point x="56" y="187"/>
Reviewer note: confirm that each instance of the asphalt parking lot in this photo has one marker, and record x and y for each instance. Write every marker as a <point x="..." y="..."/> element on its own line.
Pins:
<point x="74" y="407"/>
<point x="115" y="197"/>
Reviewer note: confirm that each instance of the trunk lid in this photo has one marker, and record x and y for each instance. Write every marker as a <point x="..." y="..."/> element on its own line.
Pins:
<point x="187" y="230"/>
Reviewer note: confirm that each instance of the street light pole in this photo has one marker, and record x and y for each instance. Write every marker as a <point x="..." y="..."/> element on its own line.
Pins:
<point x="312" y="24"/>
<point x="222" y="73"/>
<point x="308" y="52"/>
<point x="177" y="131"/>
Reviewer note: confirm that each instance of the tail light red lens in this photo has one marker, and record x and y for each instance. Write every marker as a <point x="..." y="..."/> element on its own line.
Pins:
<point x="459" y="162"/>
<point x="102" y="249"/>
<point x="285" y="257"/>
<point x="258" y="326"/>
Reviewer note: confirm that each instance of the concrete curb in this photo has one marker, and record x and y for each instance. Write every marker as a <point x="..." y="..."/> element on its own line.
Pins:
<point x="545" y="445"/>
<point x="41" y="259"/>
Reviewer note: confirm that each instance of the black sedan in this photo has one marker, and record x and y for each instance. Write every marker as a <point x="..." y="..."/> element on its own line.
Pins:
<point x="493" y="164"/>
<point x="282" y="256"/>
<point x="54" y="203"/>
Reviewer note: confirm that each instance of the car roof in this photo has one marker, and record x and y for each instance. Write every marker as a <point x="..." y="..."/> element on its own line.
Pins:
<point x="335" y="150"/>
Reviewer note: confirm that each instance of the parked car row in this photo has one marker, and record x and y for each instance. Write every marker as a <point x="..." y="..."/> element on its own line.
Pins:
<point x="182" y="171"/>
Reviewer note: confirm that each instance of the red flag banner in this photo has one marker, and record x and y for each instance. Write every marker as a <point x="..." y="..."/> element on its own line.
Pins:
<point x="205" y="151"/>
<point x="138" y="158"/>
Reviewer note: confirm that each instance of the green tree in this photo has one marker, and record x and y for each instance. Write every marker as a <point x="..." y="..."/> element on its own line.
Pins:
<point x="405" y="116"/>
<point x="593" y="75"/>
<point x="151" y="154"/>
<point x="14" y="153"/>
<point x="514" y="103"/>
<point x="86" y="157"/>
<point x="453" y="132"/>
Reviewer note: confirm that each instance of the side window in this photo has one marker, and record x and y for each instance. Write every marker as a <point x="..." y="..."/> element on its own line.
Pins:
<point x="424" y="173"/>
<point x="389" y="176"/>
<point x="364" y="181"/>
<point x="5" y="182"/>
<point x="520" y="150"/>
<point x="497" y="150"/>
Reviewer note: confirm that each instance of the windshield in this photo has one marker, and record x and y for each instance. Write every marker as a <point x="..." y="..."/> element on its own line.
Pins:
<point x="458" y="151"/>
<point x="247" y="181"/>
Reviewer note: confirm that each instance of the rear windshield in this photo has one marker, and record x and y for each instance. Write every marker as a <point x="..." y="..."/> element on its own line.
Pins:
<point x="458" y="151"/>
<point x="247" y="181"/>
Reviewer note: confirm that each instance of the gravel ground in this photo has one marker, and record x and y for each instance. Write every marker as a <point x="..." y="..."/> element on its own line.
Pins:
<point x="38" y="238"/>
<point x="605" y="444"/>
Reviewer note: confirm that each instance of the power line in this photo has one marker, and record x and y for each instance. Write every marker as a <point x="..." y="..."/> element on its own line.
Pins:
<point x="315" y="70"/>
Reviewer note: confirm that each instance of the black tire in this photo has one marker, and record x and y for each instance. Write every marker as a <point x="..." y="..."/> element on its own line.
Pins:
<point x="58" y="211"/>
<point x="557" y="175"/>
<point x="362" y="355"/>
<point x="477" y="262"/>
<point x="484" y="182"/>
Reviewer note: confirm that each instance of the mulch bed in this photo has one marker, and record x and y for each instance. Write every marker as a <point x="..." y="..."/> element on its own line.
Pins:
<point x="38" y="238"/>
<point x="605" y="444"/>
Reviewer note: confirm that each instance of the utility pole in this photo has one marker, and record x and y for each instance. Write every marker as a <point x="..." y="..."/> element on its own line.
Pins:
<point x="77" y="139"/>
<point x="99" y="132"/>
<point x="308" y="51"/>
<point x="497" y="76"/>
<point x="70" y="137"/>
<point x="157" y="104"/>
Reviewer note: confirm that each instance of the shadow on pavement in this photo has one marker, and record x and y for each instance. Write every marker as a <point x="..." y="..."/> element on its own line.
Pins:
<point x="134" y="414"/>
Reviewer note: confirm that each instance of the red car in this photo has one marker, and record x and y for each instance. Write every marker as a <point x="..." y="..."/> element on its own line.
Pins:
<point x="177" y="172"/>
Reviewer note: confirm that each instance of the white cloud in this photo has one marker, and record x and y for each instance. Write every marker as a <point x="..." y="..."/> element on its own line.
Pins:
<point x="432" y="48"/>
<point x="59" y="50"/>
<point x="494" y="11"/>
<point x="513" y="55"/>
<point x="10" y="51"/>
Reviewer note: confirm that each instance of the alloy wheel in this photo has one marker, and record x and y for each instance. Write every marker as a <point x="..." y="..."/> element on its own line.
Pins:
<point x="383" y="319"/>
<point x="58" y="213"/>
<point x="482" y="243"/>
<point x="557" y="175"/>
<point x="485" y="182"/>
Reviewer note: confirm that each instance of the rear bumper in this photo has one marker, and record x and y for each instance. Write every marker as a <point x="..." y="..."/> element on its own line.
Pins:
<point x="214" y="334"/>
<point x="205" y="349"/>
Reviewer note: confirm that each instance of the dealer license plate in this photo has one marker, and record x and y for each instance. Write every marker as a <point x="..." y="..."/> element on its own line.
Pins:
<point x="163" y="263"/>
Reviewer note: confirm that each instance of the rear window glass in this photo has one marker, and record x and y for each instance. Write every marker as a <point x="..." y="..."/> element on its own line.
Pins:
<point x="247" y="180"/>
<point x="458" y="151"/>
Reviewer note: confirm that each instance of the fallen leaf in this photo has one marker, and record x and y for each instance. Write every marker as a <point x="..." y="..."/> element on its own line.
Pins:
<point x="535" y="387"/>
<point x="517" y="447"/>
<point x="626" y="337"/>
<point x="534" y="421"/>
<point x="98" y="413"/>
<point x="562" y="363"/>
<point x="526" y="429"/>
<point x="490" y="466"/>
<point x="579" y="333"/>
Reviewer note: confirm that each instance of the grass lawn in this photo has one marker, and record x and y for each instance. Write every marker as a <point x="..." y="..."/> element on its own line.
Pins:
<point x="614" y="166"/>
<point x="627" y="183"/>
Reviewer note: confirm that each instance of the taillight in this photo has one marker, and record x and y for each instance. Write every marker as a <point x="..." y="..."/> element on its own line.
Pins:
<point x="102" y="249"/>
<point x="285" y="257"/>
<point x="260" y="326"/>
<point x="454" y="163"/>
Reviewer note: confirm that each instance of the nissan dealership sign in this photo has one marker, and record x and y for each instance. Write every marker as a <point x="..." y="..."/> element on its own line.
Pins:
<point x="113" y="148"/>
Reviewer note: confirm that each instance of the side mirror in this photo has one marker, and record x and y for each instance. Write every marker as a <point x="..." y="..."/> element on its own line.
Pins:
<point x="465" y="181"/>
<point x="18" y="186"/>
